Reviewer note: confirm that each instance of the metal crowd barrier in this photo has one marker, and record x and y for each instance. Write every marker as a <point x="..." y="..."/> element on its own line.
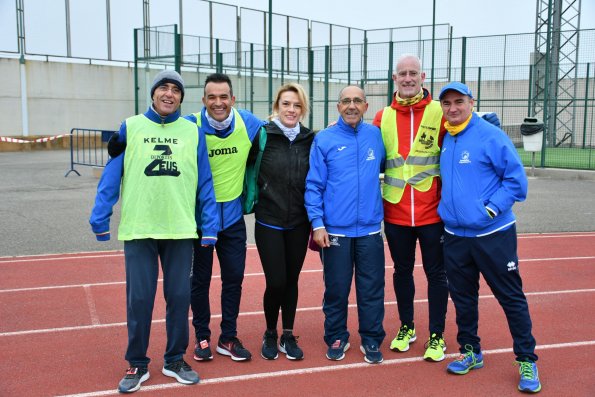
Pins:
<point x="88" y="147"/>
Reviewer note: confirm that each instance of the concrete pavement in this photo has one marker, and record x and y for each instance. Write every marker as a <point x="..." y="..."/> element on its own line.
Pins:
<point x="43" y="212"/>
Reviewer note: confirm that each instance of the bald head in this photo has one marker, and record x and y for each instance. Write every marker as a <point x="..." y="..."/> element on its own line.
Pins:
<point x="352" y="104"/>
<point x="408" y="77"/>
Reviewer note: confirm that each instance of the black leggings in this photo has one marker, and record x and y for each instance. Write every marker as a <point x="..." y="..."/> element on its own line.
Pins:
<point x="282" y="254"/>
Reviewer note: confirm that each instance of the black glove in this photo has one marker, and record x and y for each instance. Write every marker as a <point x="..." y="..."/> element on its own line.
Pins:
<point x="114" y="146"/>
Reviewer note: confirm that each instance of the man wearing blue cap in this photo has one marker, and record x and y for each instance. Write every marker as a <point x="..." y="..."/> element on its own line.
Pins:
<point x="482" y="177"/>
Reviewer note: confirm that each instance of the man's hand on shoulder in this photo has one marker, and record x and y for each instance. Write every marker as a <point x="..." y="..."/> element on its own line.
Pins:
<point x="490" y="117"/>
<point x="114" y="146"/>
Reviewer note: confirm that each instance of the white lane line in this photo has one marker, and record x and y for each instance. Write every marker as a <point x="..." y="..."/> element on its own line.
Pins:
<point x="316" y="370"/>
<point x="261" y="313"/>
<point x="6" y="260"/>
<point x="555" y="235"/>
<point x="120" y="253"/>
<point x="91" y="305"/>
<point x="261" y="274"/>
<point x="66" y="257"/>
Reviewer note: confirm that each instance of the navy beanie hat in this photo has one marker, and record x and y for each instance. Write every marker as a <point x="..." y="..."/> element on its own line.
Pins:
<point x="168" y="76"/>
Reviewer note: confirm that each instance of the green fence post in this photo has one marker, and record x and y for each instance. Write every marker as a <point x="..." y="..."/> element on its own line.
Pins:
<point x="252" y="77"/>
<point x="463" y="58"/>
<point x="389" y="94"/>
<point x="327" y="56"/>
<point x="478" y="101"/>
<point x="365" y="66"/>
<point x="177" y="50"/>
<point x="283" y="65"/>
<point x="450" y="43"/>
<point x="530" y="100"/>
<point x="311" y="85"/>
<point x="218" y="66"/>
<point x="349" y="65"/>
<point x="586" y="107"/>
<point x="136" y="87"/>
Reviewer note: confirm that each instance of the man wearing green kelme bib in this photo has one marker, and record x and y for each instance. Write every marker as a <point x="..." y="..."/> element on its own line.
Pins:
<point x="167" y="189"/>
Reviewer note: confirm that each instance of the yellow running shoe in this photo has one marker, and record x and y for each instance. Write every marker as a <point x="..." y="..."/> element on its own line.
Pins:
<point x="435" y="348"/>
<point x="405" y="336"/>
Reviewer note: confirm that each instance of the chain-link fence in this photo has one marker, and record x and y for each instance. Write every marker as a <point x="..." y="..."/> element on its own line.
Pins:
<point x="500" y="70"/>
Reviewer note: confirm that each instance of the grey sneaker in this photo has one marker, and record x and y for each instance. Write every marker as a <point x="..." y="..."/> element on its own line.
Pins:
<point x="181" y="371"/>
<point x="132" y="380"/>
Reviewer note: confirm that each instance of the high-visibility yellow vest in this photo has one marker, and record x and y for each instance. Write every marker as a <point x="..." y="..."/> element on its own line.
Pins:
<point x="160" y="180"/>
<point x="227" y="158"/>
<point x="423" y="161"/>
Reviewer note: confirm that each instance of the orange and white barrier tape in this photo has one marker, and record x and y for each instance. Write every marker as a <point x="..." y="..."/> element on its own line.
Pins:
<point x="46" y="139"/>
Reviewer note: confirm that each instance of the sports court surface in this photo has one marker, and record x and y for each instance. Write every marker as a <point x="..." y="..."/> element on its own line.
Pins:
<point x="63" y="332"/>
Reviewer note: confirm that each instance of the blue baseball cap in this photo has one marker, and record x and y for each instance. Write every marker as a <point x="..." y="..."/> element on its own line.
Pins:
<point x="456" y="86"/>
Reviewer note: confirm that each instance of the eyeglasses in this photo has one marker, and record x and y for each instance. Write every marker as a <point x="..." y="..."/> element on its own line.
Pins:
<point x="356" y="101"/>
<point x="174" y="89"/>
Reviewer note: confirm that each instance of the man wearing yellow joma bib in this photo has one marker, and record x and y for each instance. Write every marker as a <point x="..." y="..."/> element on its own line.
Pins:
<point x="229" y="135"/>
<point x="166" y="187"/>
<point x="412" y="130"/>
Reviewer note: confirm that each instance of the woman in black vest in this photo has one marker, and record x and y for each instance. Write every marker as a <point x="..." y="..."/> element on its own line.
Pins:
<point x="282" y="227"/>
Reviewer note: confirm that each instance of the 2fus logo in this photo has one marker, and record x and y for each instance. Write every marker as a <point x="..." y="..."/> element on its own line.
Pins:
<point x="511" y="266"/>
<point x="334" y="241"/>
<point x="162" y="164"/>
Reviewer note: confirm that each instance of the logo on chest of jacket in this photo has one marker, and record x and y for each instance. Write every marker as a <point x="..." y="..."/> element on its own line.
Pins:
<point x="511" y="266"/>
<point x="465" y="158"/>
<point x="340" y="148"/>
<point x="370" y="155"/>
<point x="424" y="140"/>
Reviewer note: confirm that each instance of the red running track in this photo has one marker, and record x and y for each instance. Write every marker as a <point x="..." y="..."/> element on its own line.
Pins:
<point x="63" y="332"/>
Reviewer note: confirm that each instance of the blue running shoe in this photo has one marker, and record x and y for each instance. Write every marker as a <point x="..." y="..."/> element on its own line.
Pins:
<point x="529" y="382"/>
<point x="372" y="354"/>
<point x="466" y="362"/>
<point x="337" y="350"/>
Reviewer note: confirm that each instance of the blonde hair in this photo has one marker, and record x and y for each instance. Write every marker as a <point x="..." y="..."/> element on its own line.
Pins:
<point x="302" y="97"/>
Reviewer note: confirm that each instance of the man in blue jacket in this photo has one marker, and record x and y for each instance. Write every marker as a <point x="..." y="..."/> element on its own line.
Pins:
<point x="344" y="204"/>
<point x="166" y="186"/>
<point x="482" y="177"/>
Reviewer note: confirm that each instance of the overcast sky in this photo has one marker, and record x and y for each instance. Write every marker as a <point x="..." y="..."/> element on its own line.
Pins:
<point x="45" y="20"/>
<point x="468" y="17"/>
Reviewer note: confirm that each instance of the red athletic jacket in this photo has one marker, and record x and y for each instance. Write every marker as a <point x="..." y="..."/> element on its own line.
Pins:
<point x="415" y="208"/>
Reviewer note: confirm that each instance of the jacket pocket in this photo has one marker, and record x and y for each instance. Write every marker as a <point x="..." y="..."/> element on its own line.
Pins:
<point x="474" y="215"/>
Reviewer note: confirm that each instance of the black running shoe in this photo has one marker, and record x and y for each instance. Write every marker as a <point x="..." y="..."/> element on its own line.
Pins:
<point x="269" y="345"/>
<point x="288" y="345"/>
<point x="202" y="350"/>
<point x="234" y="349"/>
